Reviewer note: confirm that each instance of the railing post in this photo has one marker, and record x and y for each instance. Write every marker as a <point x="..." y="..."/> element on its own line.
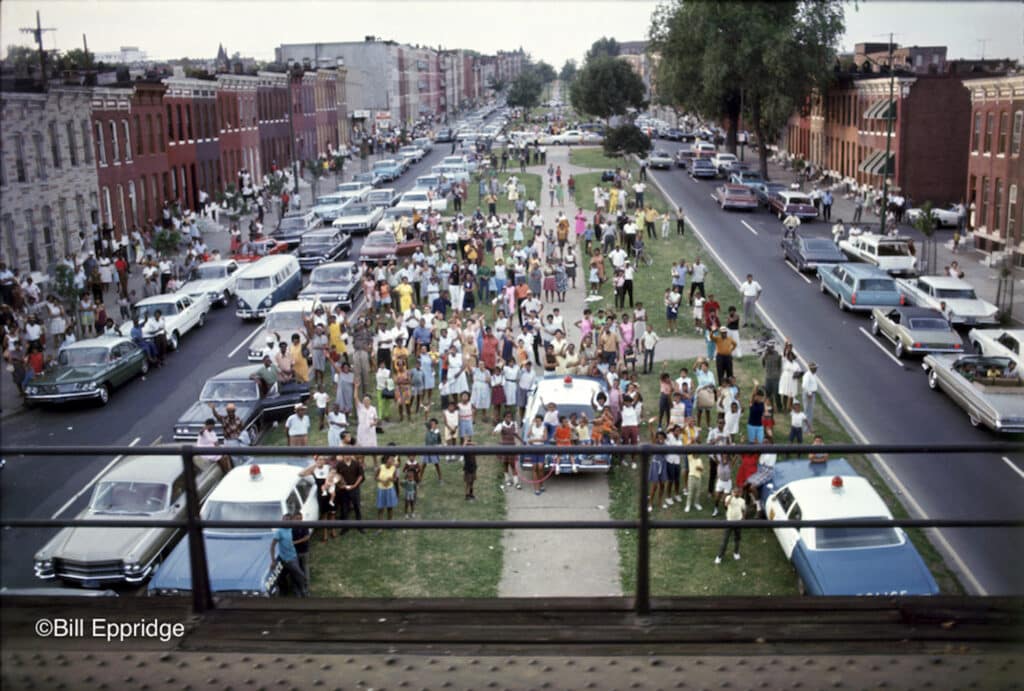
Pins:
<point x="643" y="543"/>
<point x="202" y="599"/>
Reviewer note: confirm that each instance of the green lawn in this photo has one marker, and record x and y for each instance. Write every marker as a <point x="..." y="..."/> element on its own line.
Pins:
<point x="415" y="563"/>
<point x="594" y="157"/>
<point x="532" y="181"/>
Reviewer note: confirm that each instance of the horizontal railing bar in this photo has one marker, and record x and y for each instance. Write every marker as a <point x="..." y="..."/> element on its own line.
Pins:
<point x="530" y="525"/>
<point x="497" y="450"/>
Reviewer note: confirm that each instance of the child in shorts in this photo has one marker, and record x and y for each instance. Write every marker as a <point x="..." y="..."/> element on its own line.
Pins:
<point x="409" y="485"/>
<point x="433" y="438"/>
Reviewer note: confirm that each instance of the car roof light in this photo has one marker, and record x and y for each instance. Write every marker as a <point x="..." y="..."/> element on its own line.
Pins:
<point x="255" y="473"/>
<point x="837" y="483"/>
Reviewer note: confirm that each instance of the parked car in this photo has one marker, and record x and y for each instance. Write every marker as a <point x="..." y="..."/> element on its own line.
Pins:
<point x="673" y="134"/>
<point x="453" y="173"/>
<point x="181" y="313"/>
<point x="859" y="286"/>
<point x="731" y="196"/>
<point x="236" y="386"/>
<point x="786" y="202"/>
<point x="842" y="560"/>
<point x="359" y="217"/>
<point x="567" y="137"/>
<point x="808" y="253"/>
<point x="915" y="330"/>
<point x="238" y="559"/>
<point x="284" y="320"/>
<point x="381" y="246"/>
<point x="215" y="279"/>
<point x="660" y="159"/>
<point x="702" y="168"/>
<point x="570" y="394"/>
<point x="135" y="488"/>
<point x="424" y="143"/>
<point x="989" y="389"/>
<point x="962" y="305"/>
<point x="997" y="342"/>
<point x="355" y="190"/>
<point x="368" y="178"/>
<point x="422" y="201"/>
<point x="683" y="157"/>
<point x="336" y="283"/>
<point x="439" y="184"/>
<point x="88" y="369"/>
<point x="325" y="245"/>
<point x="444" y="135"/>
<point x="383" y="198"/>
<point x="388" y="169"/>
<point x="948" y="217"/>
<point x="749" y="178"/>
<point x="723" y="160"/>
<point x="765" y="190"/>
<point x="412" y="153"/>
<point x="256" y="249"/>
<point x="294" y="225"/>
<point x="891" y="254"/>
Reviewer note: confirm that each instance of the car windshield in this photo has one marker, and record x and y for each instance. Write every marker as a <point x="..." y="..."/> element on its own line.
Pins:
<point x="426" y="181"/>
<point x="877" y="284"/>
<point x="956" y="293"/>
<point x="82" y="357"/>
<point x="230" y="391"/>
<point x="242" y="511"/>
<point x="144" y="312"/>
<point x="283" y="321"/>
<point x="660" y="154"/>
<point x="702" y="163"/>
<point x="316" y="242"/>
<point x="383" y="164"/>
<point x="854" y="538"/>
<point x="204" y="272"/>
<point x="929" y="324"/>
<point x="292" y="223"/>
<point x="254" y="283"/>
<point x="893" y="249"/>
<point x="128" y="497"/>
<point x="382" y="239"/>
<point x="799" y="200"/>
<point x="819" y="244"/>
<point x="415" y="197"/>
<point x="357" y="210"/>
<point x="331" y="274"/>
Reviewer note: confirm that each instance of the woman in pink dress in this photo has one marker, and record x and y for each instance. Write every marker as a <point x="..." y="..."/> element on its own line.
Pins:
<point x="625" y="334"/>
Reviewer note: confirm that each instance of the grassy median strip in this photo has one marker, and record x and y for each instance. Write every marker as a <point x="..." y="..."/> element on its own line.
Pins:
<point x="414" y="563"/>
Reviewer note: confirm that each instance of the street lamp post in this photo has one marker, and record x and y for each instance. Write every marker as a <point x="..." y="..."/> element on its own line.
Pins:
<point x="888" y="141"/>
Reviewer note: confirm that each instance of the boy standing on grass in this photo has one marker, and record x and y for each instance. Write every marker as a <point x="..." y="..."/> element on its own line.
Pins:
<point x="693" y="482"/>
<point x="321" y="398"/>
<point x="735" y="508"/>
<point x="409" y="486"/>
<point x="469" y="472"/>
<point x="433" y="438"/>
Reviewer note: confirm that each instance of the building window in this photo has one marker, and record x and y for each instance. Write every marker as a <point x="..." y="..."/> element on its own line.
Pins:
<point x="72" y="144"/>
<point x="80" y="211"/>
<point x="983" y="202"/>
<point x="12" y="245"/>
<point x="160" y="130"/>
<point x="19" y="158"/>
<point x="30" y="234"/>
<point x="1018" y="123"/>
<point x="115" y="146"/>
<point x="988" y="133"/>
<point x="37" y="141"/>
<point x="65" y="226"/>
<point x="181" y="124"/>
<point x="188" y="122"/>
<point x="997" y="205"/>
<point x="101" y="150"/>
<point x="127" y="141"/>
<point x="48" y="249"/>
<point x="55" y="145"/>
<point x="1004" y="125"/>
<point x="86" y="144"/>
<point x="121" y="206"/>
<point x="107" y="209"/>
<point x="133" y="205"/>
<point x="149" y="134"/>
<point x="170" y="123"/>
<point x="137" y="121"/>
<point x="976" y="139"/>
<point x="1011" y="215"/>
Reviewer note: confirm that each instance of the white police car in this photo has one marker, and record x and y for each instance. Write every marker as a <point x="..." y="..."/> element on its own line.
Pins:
<point x="570" y="394"/>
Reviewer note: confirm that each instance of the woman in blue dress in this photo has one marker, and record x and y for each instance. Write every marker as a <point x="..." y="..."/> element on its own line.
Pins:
<point x="427" y="365"/>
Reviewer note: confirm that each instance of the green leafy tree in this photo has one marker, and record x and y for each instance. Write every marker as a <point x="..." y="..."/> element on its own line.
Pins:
<point x="64" y="284"/>
<point x="764" y="57"/>
<point x="76" y="59"/>
<point x="607" y="86"/>
<point x="545" y="72"/>
<point x="568" y="71"/>
<point x="602" y="47"/>
<point x="926" y="223"/>
<point x="167" y="242"/>
<point x="525" y="90"/>
<point x="315" y="168"/>
<point x="625" y="140"/>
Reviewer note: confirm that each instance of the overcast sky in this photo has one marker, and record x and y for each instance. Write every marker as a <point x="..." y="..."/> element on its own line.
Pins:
<point x="552" y="30"/>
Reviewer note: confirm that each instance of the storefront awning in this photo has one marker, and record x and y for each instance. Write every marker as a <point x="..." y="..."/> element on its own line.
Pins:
<point x="881" y="110"/>
<point x="875" y="164"/>
<point x="865" y="165"/>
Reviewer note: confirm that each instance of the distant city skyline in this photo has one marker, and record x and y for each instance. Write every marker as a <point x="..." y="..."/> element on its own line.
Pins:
<point x="197" y="28"/>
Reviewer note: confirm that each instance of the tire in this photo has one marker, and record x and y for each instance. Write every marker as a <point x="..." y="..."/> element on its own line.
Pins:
<point x="874" y="327"/>
<point x="227" y="298"/>
<point x="842" y="305"/>
<point x="144" y="370"/>
<point x="104" y="392"/>
<point x="172" y="341"/>
<point x="898" y="350"/>
<point x="933" y="380"/>
<point x="821" y="286"/>
<point x="202" y="320"/>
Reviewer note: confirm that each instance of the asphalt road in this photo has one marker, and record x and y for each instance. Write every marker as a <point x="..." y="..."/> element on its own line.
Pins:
<point x="140" y="413"/>
<point x="880" y="398"/>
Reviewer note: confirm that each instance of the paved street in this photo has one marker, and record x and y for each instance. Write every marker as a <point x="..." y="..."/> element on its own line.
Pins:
<point x="877" y="397"/>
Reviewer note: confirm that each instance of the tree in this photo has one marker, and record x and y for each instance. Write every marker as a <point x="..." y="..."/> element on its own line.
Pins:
<point x="926" y="223"/>
<point x="315" y="168"/>
<point x="602" y="47"/>
<point x="525" y="90"/>
<point x="545" y="72"/>
<point x="607" y="86"/>
<point x="764" y="57"/>
<point x="625" y="140"/>
<point x="167" y="242"/>
<point x="568" y="71"/>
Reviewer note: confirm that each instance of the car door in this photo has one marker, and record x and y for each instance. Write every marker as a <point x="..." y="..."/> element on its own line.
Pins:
<point x="1009" y="342"/>
<point x="121" y="370"/>
<point x="186" y="314"/>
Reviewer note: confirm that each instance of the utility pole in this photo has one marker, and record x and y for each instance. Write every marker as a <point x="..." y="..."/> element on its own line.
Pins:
<point x="37" y="35"/>
<point x="889" y="115"/>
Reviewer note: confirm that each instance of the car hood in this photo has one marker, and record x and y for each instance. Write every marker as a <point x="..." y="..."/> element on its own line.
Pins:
<point x="970" y="308"/>
<point x="203" y="286"/>
<point x="825" y="255"/>
<point x="316" y="250"/>
<point x="199" y="412"/>
<point x="261" y="336"/>
<point x="100" y="544"/>
<point x="236" y="562"/>
<point x="896" y="570"/>
<point x="314" y="289"/>
<point x="70" y="375"/>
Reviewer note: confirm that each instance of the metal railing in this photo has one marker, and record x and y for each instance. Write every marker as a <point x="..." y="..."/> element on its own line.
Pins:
<point x="202" y="597"/>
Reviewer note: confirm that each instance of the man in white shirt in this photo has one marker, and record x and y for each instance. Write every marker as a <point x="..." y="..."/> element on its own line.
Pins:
<point x="809" y="386"/>
<point x="697" y="273"/>
<point x="638" y="190"/>
<point x="618" y="258"/>
<point x="751" y="291"/>
<point x="297" y="425"/>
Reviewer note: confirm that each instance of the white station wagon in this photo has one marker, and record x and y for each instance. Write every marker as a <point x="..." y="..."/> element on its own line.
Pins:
<point x="962" y="305"/>
<point x="180" y="311"/>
